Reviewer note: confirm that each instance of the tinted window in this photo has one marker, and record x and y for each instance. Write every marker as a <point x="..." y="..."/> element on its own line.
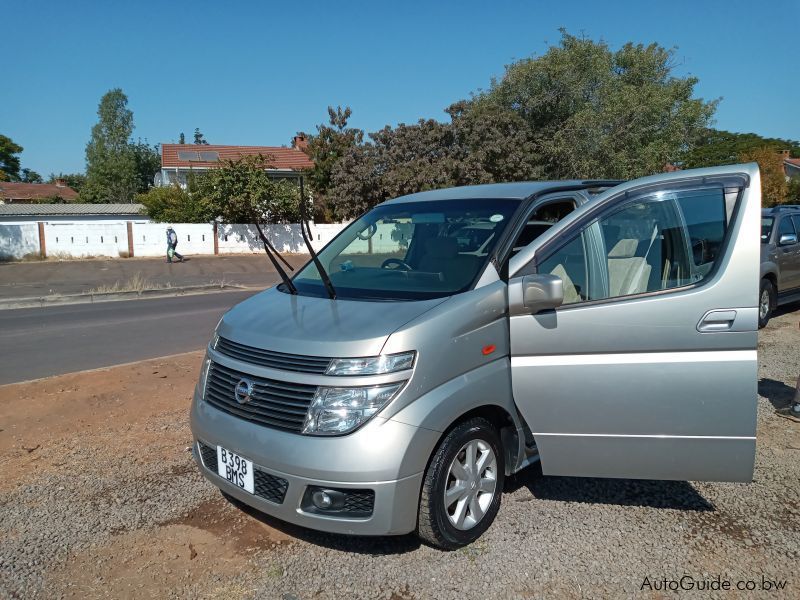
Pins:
<point x="660" y="242"/>
<point x="796" y="219"/>
<point x="785" y="226"/>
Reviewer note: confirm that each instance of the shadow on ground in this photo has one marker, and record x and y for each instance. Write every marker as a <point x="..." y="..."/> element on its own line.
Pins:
<point x="374" y="545"/>
<point x="779" y="394"/>
<point x="679" y="495"/>
<point x="676" y="495"/>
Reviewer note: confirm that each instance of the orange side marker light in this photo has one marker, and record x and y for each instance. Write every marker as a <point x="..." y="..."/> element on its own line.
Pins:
<point x="487" y="350"/>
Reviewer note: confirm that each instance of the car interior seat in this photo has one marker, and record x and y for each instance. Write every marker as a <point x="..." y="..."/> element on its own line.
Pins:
<point x="627" y="272"/>
<point x="442" y="257"/>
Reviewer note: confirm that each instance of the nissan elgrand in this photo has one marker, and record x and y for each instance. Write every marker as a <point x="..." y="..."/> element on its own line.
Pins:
<point x="450" y="338"/>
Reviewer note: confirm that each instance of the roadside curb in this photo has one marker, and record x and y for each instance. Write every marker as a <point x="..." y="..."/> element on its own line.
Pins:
<point x="91" y="298"/>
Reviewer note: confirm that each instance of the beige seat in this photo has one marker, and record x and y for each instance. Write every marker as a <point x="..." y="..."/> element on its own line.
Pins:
<point x="442" y="257"/>
<point x="627" y="273"/>
<point x="571" y="294"/>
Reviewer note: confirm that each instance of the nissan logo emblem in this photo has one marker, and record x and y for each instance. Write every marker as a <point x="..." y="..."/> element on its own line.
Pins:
<point x="243" y="391"/>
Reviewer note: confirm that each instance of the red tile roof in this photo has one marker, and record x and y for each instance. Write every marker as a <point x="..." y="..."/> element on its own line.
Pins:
<point x="792" y="161"/>
<point x="35" y="191"/>
<point x="282" y="158"/>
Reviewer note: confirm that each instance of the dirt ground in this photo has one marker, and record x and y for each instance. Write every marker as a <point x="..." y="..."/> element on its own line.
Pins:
<point x="96" y="420"/>
<point x="100" y="498"/>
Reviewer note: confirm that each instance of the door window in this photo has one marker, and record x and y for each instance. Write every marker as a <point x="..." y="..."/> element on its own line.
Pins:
<point x="663" y="241"/>
<point x="785" y="227"/>
<point x="542" y="219"/>
<point x="796" y="219"/>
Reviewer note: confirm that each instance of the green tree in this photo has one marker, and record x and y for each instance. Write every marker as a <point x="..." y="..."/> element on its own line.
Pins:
<point x="598" y="113"/>
<point x="718" y="147"/>
<point x="328" y="146"/>
<point x="483" y="145"/>
<point x="774" y="188"/>
<point x="147" y="159"/>
<point x="111" y="174"/>
<point x="198" y="137"/>
<point x="9" y="161"/>
<point x="73" y="180"/>
<point x="172" y="204"/>
<point x="30" y="176"/>
<point x="182" y="139"/>
<point x="241" y="191"/>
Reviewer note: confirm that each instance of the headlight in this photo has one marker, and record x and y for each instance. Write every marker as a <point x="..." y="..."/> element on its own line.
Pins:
<point x="372" y="365"/>
<point x="340" y="410"/>
<point x="204" y="377"/>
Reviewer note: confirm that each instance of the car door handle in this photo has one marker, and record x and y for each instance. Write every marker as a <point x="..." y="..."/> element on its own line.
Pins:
<point x="717" y="320"/>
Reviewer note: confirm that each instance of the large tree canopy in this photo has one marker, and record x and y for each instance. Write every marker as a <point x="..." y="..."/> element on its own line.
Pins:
<point x="116" y="167"/>
<point x="718" y="147"/>
<point x="478" y="146"/>
<point x="579" y="111"/>
<point x="110" y="164"/>
<point x="598" y="113"/>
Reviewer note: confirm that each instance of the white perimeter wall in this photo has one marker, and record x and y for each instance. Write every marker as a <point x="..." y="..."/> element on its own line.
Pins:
<point x="18" y="240"/>
<point x="64" y="239"/>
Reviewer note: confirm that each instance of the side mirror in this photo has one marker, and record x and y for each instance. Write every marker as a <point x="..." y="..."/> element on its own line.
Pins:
<point x="532" y="294"/>
<point x="787" y="239"/>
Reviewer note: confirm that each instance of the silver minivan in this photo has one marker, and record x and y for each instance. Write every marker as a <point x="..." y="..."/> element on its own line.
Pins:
<point x="449" y="338"/>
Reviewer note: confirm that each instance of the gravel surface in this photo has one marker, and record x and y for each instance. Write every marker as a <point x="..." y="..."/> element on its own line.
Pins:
<point x="110" y="505"/>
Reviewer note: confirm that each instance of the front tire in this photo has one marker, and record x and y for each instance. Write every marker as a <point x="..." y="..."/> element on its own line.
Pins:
<point x="767" y="298"/>
<point x="462" y="487"/>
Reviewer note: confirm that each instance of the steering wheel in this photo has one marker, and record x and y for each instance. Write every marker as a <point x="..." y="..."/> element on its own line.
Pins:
<point x="400" y="265"/>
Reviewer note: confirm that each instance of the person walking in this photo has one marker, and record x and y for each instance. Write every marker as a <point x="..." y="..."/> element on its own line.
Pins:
<point x="792" y="412"/>
<point x="172" y="243"/>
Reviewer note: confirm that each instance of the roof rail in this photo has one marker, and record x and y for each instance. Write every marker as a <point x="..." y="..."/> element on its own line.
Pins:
<point x="781" y="207"/>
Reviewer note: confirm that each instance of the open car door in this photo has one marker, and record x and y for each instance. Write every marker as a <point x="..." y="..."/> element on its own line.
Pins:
<point x="648" y="369"/>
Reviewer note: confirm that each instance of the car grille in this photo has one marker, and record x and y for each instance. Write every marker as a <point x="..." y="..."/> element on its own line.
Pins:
<point x="359" y="502"/>
<point x="273" y="360"/>
<point x="265" y="485"/>
<point x="276" y="404"/>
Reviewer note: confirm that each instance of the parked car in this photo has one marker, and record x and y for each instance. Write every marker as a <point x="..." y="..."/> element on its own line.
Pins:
<point x="602" y="335"/>
<point x="780" y="259"/>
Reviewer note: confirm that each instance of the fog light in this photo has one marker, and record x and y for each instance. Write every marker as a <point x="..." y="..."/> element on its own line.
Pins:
<point x="322" y="499"/>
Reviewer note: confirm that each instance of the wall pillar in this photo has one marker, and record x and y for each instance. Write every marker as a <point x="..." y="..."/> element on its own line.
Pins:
<point x="130" y="239"/>
<point x="42" y="244"/>
<point x="216" y="237"/>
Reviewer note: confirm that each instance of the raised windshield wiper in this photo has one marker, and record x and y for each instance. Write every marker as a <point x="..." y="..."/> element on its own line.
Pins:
<point x="305" y="230"/>
<point x="270" y="249"/>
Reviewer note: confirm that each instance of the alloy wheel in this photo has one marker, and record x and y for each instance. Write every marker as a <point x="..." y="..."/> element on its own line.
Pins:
<point x="471" y="484"/>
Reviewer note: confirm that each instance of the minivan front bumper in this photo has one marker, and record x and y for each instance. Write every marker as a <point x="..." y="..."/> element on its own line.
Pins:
<point x="384" y="456"/>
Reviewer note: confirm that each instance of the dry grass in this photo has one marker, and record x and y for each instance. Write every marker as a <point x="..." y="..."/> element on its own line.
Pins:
<point x="137" y="283"/>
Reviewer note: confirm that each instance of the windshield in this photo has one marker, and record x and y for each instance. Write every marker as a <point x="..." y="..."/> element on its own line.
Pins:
<point x="411" y="251"/>
<point x="766" y="228"/>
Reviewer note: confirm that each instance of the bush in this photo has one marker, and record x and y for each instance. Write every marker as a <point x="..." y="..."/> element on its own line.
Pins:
<point x="175" y="205"/>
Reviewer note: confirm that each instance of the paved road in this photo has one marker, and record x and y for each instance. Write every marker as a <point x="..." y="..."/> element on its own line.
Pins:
<point x="38" y="342"/>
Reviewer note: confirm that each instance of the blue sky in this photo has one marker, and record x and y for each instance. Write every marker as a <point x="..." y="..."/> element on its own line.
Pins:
<point x="255" y="73"/>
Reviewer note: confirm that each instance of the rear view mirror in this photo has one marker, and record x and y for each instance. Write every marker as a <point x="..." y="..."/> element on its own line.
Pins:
<point x="533" y="294"/>
<point x="787" y="239"/>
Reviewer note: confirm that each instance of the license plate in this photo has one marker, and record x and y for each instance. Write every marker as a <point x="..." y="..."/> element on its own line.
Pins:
<point x="236" y="469"/>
